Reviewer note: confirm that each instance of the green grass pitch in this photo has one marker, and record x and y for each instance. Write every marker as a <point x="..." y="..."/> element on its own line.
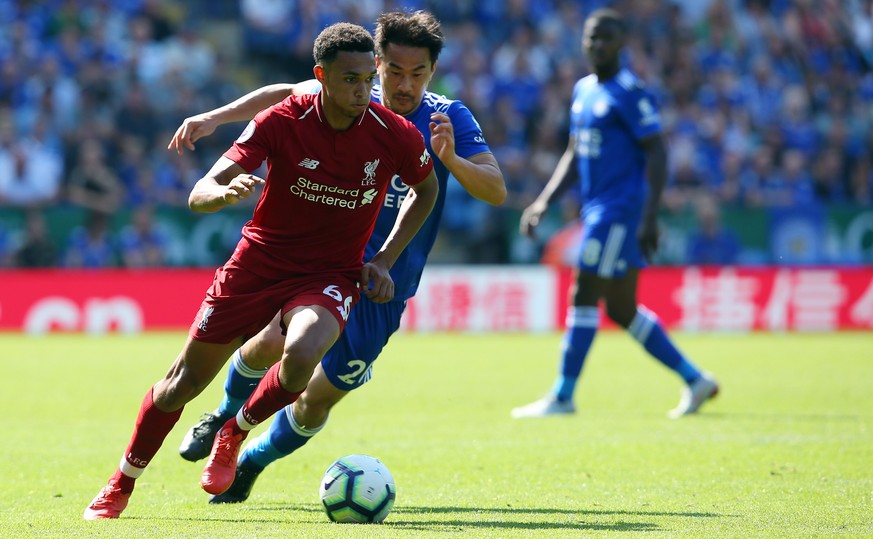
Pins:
<point x="785" y="451"/>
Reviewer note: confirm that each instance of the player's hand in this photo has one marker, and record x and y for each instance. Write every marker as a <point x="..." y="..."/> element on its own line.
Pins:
<point x="243" y="186"/>
<point x="192" y="129"/>
<point x="647" y="236"/>
<point x="442" y="136"/>
<point x="531" y="217"/>
<point x="377" y="282"/>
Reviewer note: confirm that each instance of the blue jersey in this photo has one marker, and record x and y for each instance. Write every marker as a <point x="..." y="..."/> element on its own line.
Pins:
<point x="348" y="364"/>
<point x="608" y="120"/>
<point x="469" y="141"/>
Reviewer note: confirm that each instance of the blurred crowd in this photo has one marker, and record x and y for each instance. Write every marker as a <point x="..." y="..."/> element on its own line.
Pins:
<point x="766" y="103"/>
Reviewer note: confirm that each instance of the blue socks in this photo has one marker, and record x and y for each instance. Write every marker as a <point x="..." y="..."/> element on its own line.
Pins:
<point x="582" y="325"/>
<point x="647" y="330"/>
<point x="283" y="438"/>
<point x="240" y="383"/>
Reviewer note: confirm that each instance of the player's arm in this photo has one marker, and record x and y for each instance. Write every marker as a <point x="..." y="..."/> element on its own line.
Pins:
<point x="655" y="149"/>
<point x="204" y="124"/>
<point x="480" y="175"/>
<point x="225" y="184"/>
<point x="415" y="209"/>
<point x="562" y="178"/>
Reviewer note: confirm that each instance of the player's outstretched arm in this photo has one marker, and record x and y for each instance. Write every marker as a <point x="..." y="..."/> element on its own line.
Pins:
<point x="413" y="212"/>
<point x="480" y="175"/>
<point x="225" y="184"/>
<point x="557" y="184"/>
<point x="245" y="108"/>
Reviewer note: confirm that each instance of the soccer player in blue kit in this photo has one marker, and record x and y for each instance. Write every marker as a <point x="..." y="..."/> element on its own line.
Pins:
<point x="616" y="143"/>
<point x="408" y="45"/>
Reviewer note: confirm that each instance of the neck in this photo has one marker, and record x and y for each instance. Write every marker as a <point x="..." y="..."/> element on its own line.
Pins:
<point x="607" y="72"/>
<point x="334" y="117"/>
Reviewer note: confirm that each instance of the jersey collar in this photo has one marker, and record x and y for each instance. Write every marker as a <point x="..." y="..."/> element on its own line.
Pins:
<point x="321" y="117"/>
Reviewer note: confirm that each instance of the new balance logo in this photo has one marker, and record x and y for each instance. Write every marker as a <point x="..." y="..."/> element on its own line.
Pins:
<point x="308" y="163"/>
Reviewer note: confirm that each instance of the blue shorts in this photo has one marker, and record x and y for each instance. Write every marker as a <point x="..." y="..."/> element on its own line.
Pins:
<point x="348" y="363"/>
<point x="610" y="248"/>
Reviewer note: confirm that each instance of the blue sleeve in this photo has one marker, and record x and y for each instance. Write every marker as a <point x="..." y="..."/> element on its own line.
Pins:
<point x="469" y="139"/>
<point x="640" y="111"/>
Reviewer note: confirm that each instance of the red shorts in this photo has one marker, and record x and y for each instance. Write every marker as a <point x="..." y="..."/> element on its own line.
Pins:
<point x="240" y="303"/>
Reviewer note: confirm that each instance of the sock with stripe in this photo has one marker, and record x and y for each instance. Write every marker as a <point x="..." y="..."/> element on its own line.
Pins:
<point x="151" y="429"/>
<point x="582" y="323"/>
<point x="269" y="397"/>
<point x="241" y="381"/>
<point x="284" y="437"/>
<point x="648" y="331"/>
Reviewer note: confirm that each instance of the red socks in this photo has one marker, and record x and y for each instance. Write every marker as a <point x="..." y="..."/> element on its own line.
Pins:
<point x="268" y="398"/>
<point x="152" y="427"/>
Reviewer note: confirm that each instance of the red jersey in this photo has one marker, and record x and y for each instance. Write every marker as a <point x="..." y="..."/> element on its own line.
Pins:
<point x="324" y="187"/>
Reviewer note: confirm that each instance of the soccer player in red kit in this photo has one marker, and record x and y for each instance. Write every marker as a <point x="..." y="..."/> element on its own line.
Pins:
<point x="330" y="159"/>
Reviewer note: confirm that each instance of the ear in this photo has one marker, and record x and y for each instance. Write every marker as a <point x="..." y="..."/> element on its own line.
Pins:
<point x="378" y="61"/>
<point x="318" y="71"/>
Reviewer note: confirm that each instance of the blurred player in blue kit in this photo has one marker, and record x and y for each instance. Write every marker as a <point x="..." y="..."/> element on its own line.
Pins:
<point x="620" y="157"/>
<point x="408" y="45"/>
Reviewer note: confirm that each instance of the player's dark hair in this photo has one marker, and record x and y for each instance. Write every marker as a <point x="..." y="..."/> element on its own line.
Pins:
<point x="416" y="29"/>
<point x="342" y="36"/>
<point x="610" y="16"/>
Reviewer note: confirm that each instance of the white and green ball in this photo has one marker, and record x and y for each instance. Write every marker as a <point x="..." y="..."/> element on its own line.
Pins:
<point x="357" y="488"/>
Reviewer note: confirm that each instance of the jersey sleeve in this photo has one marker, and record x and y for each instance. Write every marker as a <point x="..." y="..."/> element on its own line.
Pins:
<point x="253" y="145"/>
<point x="417" y="163"/>
<point x="639" y="110"/>
<point x="469" y="140"/>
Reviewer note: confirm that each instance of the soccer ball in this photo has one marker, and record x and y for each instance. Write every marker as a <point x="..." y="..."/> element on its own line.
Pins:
<point x="357" y="488"/>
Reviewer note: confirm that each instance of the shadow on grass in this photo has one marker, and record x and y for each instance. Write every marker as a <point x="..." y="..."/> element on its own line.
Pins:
<point x="315" y="508"/>
<point x="415" y="517"/>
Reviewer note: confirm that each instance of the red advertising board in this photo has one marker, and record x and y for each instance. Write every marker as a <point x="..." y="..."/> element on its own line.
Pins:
<point x="463" y="298"/>
<point x="775" y="299"/>
<point x="100" y="301"/>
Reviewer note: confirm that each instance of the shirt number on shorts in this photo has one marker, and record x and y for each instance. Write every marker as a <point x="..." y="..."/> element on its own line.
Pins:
<point x="358" y="368"/>
<point x="333" y="292"/>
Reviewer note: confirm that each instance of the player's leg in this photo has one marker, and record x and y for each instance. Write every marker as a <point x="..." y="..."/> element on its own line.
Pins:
<point x="646" y="328"/>
<point x="248" y="365"/>
<point x="291" y="428"/>
<point x="581" y="327"/>
<point x="194" y="368"/>
<point x="597" y="261"/>
<point x="346" y="366"/>
<point x="312" y="329"/>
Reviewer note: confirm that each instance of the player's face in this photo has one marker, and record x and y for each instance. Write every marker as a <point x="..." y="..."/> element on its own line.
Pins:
<point x="602" y="41"/>
<point x="404" y="72"/>
<point x="346" y="83"/>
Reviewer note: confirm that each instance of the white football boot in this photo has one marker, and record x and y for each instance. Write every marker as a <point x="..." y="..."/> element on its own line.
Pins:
<point x="694" y="395"/>
<point x="546" y="406"/>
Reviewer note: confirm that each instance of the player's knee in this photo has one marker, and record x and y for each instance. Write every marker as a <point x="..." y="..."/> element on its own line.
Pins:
<point x="302" y="354"/>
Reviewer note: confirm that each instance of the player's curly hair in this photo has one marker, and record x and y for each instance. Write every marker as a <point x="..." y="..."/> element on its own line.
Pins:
<point x="415" y="29"/>
<point x="342" y="36"/>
